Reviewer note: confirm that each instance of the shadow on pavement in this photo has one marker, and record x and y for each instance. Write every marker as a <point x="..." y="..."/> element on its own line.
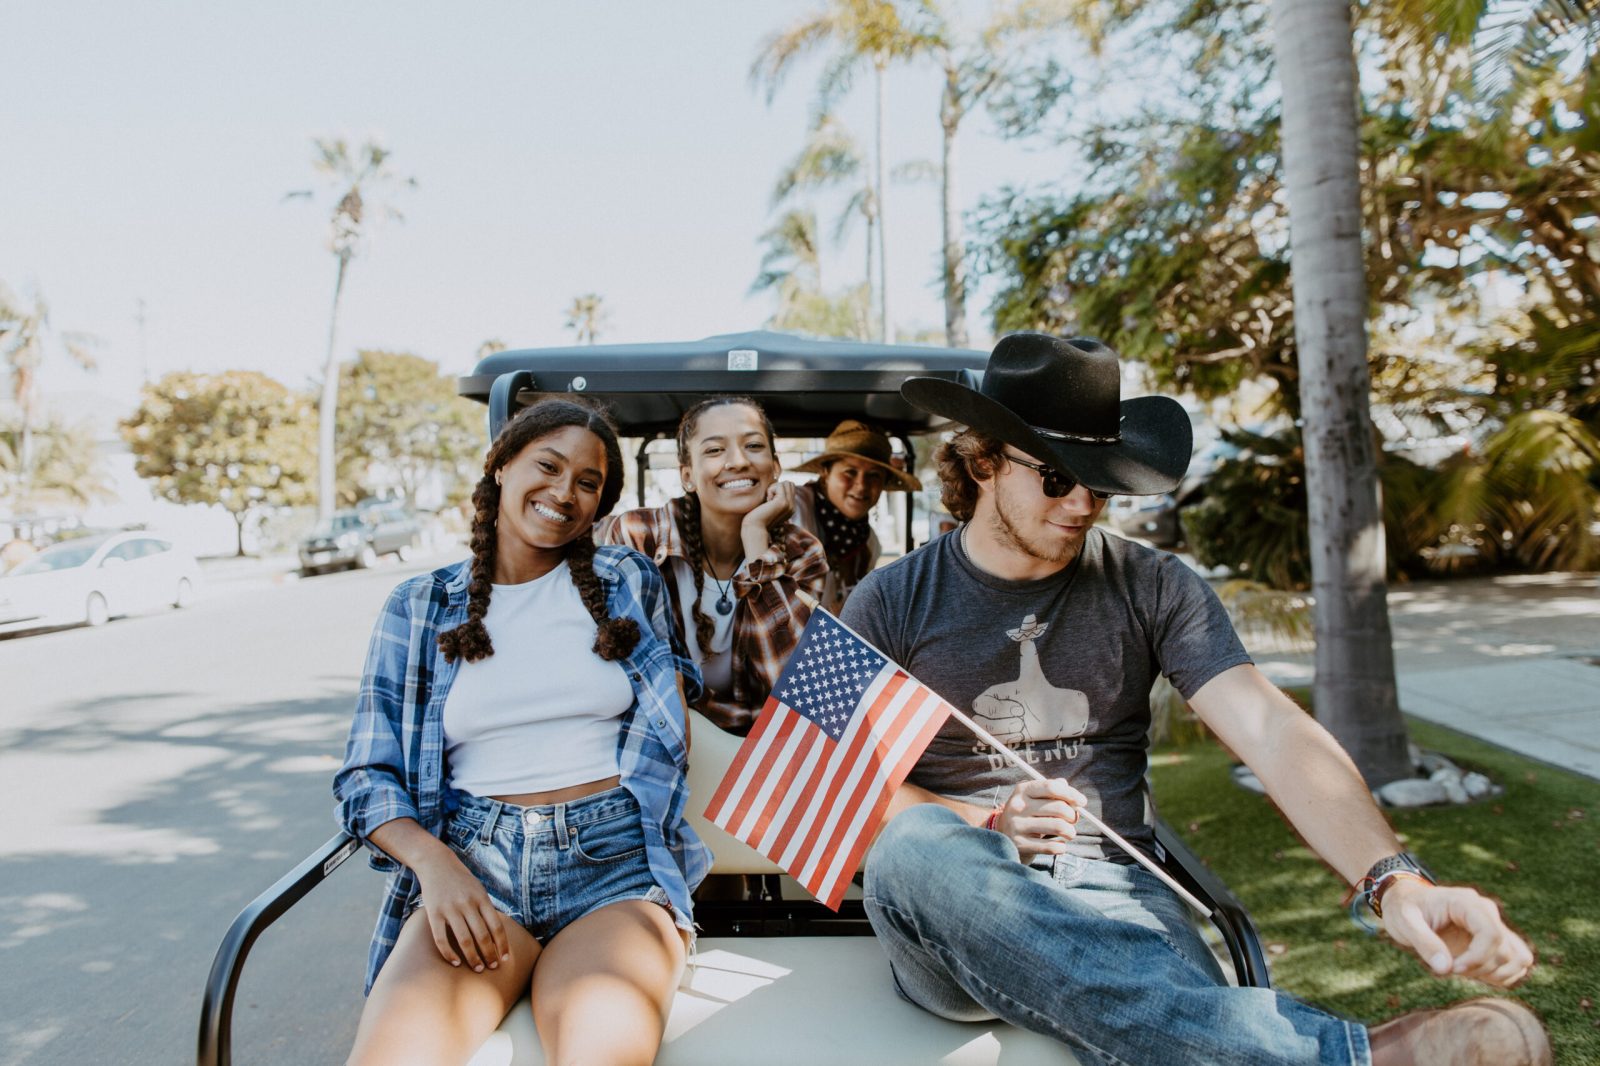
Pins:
<point x="112" y="909"/>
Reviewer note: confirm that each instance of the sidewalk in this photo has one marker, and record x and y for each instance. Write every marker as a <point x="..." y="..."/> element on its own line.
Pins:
<point x="1514" y="660"/>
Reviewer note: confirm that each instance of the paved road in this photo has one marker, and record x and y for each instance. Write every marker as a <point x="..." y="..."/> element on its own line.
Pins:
<point x="157" y="773"/>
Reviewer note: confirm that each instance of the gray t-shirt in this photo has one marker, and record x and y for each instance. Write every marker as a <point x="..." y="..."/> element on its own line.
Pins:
<point x="1058" y="669"/>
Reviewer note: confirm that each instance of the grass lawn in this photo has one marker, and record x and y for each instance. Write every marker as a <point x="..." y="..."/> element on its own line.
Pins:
<point x="1536" y="849"/>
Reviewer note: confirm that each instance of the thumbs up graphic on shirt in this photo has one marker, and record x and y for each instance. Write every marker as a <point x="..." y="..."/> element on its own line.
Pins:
<point x="1031" y="709"/>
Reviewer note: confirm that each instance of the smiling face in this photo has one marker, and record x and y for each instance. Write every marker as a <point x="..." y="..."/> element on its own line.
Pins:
<point x="730" y="460"/>
<point x="550" y="490"/>
<point x="1024" y="521"/>
<point x="853" y="486"/>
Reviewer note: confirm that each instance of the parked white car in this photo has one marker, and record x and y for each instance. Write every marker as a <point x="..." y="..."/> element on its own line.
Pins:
<point x="93" y="579"/>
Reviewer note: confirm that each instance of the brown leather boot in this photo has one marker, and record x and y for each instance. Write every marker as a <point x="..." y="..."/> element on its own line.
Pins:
<point x="1479" y="1032"/>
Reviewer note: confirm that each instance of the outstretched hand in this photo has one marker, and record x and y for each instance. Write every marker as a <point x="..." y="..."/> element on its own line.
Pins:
<point x="1456" y="931"/>
<point x="465" y="924"/>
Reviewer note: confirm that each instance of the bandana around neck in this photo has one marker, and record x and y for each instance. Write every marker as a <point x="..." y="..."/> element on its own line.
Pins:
<point x="841" y="536"/>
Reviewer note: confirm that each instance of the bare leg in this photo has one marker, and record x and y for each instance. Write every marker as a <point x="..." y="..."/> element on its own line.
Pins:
<point x="604" y="984"/>
<point x="423" y="1010"/>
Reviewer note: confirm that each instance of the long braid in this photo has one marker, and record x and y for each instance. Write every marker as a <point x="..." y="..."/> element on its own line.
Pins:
<point x="688" y="516"/>
<point x="470" y="640"/>
<point x="616" y="637"/>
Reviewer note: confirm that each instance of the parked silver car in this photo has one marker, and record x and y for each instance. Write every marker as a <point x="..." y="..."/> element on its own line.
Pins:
<point x="91" y="580"/>
<point x="359" y="538"/>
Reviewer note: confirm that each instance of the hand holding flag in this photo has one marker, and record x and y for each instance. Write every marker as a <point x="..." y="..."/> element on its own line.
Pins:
<point x="838" y="735"/>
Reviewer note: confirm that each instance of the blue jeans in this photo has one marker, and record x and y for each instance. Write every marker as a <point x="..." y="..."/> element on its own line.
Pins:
<point x="1097" y="955"/>
<point x="545" y="867"/>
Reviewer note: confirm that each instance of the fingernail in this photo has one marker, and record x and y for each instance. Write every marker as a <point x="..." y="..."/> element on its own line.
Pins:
<point x="1440" y="962"/>
<point x="478" y="968"/>
<point x="455" y="962"/>
<point x="506" y="957"/>
<point x="494" y="965"/>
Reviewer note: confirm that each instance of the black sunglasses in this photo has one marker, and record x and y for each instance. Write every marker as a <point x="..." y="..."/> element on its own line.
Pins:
<point x="1056" y="484"/>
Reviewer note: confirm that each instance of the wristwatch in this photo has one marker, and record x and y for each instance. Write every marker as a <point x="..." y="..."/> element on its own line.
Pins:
<point x="1384" y="871"/>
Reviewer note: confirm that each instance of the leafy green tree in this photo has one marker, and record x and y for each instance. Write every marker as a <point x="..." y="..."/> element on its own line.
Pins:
<point x="25" y="338"/>
<point x="355" y="177"/>
<point x="68" y="469"/>
<point x="238" y="439"/>
<point x="401" y="422"/>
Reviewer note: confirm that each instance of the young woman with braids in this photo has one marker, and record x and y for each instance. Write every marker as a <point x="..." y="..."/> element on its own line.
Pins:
<point x="743" y="579"/>
<point x="517" y="765"/>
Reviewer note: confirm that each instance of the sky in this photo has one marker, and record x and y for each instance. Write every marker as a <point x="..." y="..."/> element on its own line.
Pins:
<point x="611" y="146"/>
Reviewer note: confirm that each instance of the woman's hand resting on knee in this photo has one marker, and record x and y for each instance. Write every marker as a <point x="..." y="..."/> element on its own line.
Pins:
<point x="465" y="924"/>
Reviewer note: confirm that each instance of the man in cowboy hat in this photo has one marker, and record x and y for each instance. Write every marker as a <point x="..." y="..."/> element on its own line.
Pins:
<point x="988" y="896"/>
<point x="856" y="466"/>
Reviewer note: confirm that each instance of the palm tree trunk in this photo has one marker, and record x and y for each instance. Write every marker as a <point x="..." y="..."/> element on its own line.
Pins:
<point x="884" y="328"/>
<point x="1354" y="691"/>
<point x="955" y="271"/>
<point x="328" y="405"/>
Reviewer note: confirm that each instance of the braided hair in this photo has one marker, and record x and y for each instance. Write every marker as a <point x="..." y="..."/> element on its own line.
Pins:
<point x="686" y="508"/>
<point x="617" y="637"/>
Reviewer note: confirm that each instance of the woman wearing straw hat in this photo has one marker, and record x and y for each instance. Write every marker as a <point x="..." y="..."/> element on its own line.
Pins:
<point x="855" y="468"/>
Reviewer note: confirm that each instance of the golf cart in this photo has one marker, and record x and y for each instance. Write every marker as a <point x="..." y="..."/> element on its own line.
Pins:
<point x="771" y="966"/>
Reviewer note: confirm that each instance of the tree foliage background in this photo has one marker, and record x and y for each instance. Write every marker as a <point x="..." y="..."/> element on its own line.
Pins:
<point x="1480" y="204"/>
<point x="237" y="439"/>
<point x="400" y="424"/>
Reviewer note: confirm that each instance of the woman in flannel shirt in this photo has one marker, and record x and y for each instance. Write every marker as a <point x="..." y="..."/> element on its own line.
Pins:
<point x="517" y="763"/>
<point x="742" y="577"/>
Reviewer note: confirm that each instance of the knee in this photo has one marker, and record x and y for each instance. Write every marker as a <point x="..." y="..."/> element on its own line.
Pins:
<point x="915" y="849"/>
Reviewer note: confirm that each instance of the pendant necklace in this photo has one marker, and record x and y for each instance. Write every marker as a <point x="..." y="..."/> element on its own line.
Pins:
<point x="724" y="600"/>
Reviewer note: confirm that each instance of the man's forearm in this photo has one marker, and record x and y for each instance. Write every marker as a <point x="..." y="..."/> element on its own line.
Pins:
<point x="1318" y="788"/>
<point x="1304" y="770"/>
<point x="909" y="795"/>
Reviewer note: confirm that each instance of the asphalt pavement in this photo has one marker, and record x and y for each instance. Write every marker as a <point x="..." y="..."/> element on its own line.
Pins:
<point x="161" y="771"/>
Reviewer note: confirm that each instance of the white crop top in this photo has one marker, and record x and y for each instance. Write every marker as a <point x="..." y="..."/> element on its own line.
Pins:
<point x="544" y="711"/>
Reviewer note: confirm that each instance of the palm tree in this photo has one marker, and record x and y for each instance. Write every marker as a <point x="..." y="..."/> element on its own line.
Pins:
<point x="866" y="32"/>
<point x="586" y="316"/>
<point x="356" y="176"/>
<point x="1518" y="44"/>
<point x="974" y="64"/>
<point x="1355" y="693"/>
<point x="24" y="336"/>
<point x="832" y="157"/>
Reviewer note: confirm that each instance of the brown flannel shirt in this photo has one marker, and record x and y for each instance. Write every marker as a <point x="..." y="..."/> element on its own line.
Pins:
<point x="773" y="594"/>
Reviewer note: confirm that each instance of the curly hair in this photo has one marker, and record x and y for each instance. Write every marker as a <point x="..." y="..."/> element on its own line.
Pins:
<point x="964" y="460"/>
<point x="617" y="637"/>
<point x="686" y="508"/>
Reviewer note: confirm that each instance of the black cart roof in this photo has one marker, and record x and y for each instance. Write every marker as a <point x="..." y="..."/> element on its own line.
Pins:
<point x="806" y="386"/>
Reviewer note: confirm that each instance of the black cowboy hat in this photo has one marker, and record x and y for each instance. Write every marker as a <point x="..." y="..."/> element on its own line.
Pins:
<point x="1060" y="401"/>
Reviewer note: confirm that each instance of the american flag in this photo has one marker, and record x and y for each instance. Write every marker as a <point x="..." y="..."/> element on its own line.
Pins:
<point x="838" y="735"/>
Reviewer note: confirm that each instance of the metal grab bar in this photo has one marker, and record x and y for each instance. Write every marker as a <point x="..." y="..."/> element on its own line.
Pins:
<point x="216" y="1010"/>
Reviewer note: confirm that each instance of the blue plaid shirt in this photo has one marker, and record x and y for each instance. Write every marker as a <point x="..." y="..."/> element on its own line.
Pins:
<point x="394" y="759"/>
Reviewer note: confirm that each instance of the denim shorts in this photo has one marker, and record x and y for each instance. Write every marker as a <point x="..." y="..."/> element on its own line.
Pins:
<point x="547" y="866"/>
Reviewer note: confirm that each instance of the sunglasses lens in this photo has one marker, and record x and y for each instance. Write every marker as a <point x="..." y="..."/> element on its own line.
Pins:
<point x="1056" y="486"/>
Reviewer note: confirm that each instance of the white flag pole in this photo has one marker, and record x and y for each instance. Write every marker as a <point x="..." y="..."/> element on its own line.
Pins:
<point x="1083" y="814"/>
